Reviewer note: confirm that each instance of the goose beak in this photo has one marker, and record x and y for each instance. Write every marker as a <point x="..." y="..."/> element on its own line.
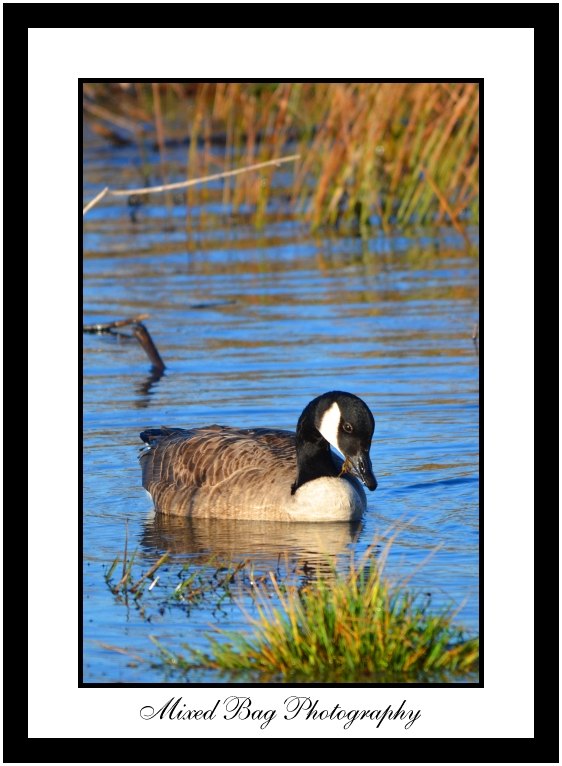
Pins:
<point x="362" y="468"/>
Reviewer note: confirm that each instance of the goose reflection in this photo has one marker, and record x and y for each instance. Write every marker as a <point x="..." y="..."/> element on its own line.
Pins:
<point x="308" y="549"/>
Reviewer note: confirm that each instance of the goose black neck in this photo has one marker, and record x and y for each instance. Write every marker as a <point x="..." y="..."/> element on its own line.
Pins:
<point x="314" y="458"/>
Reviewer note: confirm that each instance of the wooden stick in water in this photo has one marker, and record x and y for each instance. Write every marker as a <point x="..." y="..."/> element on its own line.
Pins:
<point x="108" y="326"/>
<point x="214" y="177"/>
<point x="145" y="339"/>
<point x="95" y="201"/>
<point x="139" y="331"/>
<point x="186" y="184"/>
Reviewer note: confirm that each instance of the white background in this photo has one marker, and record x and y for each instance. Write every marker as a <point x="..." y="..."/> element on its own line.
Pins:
<point x="504" y="57"/>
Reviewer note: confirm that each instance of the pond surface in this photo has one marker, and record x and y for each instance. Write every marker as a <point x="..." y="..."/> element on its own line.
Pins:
<point x="252" y="325"/>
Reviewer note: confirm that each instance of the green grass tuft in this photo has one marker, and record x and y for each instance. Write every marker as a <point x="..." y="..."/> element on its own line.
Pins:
<point x="350" y="628"/>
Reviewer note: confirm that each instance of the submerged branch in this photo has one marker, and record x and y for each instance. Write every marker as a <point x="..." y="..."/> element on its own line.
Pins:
<point x="139" y="331"/>
<point x="145" y="339"/>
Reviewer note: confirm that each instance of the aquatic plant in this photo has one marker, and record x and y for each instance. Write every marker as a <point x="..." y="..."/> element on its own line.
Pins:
<point x="207" y="583"/>
<point x="350" y="627"/>
<point x="372" y="154"/>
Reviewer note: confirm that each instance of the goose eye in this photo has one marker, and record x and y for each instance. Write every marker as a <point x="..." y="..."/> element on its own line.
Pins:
<point x="348" y="427"/>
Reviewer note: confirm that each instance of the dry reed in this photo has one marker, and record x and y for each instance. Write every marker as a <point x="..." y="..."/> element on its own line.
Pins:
<point x="386" y="154"/>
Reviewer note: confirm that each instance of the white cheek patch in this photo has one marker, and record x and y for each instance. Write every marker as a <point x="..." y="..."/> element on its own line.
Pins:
<point x="329" y="425"/>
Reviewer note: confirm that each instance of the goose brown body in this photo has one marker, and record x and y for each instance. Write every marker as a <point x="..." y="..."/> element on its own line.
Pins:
<point x="223" y="472"/>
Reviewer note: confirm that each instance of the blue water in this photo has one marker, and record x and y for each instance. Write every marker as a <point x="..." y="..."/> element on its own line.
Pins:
<point x="252" y="325"/>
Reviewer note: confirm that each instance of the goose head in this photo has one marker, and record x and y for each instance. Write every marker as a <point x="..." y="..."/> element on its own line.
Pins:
<point x="343" y="421"/>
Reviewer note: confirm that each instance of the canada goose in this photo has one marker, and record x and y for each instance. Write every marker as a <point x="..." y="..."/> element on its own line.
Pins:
<point x="266" y="473"/>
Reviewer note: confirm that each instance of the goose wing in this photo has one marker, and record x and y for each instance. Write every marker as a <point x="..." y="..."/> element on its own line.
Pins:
<point x="206" y="457"/>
